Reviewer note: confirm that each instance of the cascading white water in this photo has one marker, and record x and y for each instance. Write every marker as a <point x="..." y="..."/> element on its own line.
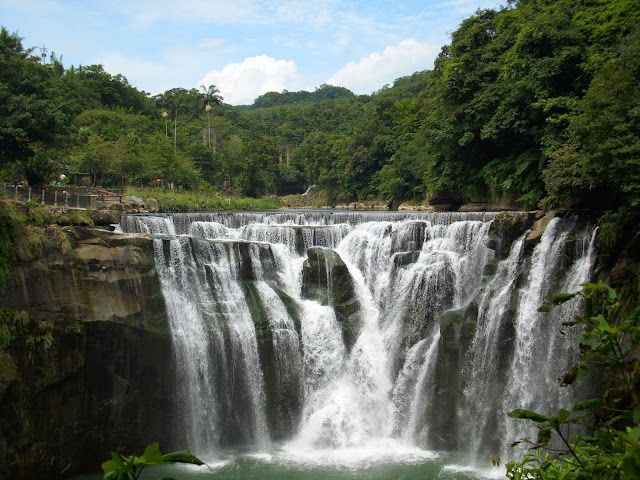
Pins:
<point x="413" y="390"/>
<point x="415" y="340"/>
<point x="478" y="412"/>
<point x="540" y="354"/>
<point x="192" y="341"/>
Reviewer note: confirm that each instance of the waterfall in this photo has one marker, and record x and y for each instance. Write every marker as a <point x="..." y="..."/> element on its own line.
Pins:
<point x="479" y="414"/>
<point x="323" y="331"/>
<point x="540" y="353"/>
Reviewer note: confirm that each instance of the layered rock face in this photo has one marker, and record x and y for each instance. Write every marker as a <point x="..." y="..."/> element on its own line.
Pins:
<point x="326" y="279"/>
<point x="90" y="370"/>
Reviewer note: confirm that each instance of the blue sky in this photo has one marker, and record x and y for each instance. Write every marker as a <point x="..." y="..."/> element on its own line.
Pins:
<point x="245" y="47"/>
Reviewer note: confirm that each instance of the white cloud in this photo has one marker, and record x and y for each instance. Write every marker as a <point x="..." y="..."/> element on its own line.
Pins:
<point x="372" y="72"/>
<point x="241" y="83"/>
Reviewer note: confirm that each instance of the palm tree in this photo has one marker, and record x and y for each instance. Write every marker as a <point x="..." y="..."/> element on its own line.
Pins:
<point x="179" y="105"/>
<point x="208" y="110"/>
<point x="172" y="101"/>
<point x="165" y="115"/>
<point x="211" y="94"/>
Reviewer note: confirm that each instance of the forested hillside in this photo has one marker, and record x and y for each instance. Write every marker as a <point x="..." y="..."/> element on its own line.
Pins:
<point x="535" y="105"/>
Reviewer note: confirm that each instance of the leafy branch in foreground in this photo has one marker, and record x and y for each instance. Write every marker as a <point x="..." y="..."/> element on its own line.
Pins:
<point x="130" y="468"/>
<point x="610" y="448"/>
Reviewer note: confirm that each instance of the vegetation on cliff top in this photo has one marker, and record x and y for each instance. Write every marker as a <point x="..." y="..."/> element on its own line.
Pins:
<point x="535" y="104"/>
<point x="28" y="230"/>
<point x="201" y="200"/>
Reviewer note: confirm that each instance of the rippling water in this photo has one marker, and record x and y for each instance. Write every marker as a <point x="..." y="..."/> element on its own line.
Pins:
<point x="286" y="462"/>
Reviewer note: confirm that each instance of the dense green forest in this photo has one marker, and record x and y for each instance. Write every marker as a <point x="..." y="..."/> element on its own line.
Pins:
<point x="536" y="105"/>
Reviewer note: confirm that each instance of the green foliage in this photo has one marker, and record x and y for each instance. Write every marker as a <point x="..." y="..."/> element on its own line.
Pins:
<point x="61" y="238"/>
<point x="11" y="223"/>
<point x="11" y="323"/>
<point x="614" y="226"/>
<point x="130" y="468"/>
<point x="324" y="92"/>
<point x="37" y="214"/>
<point x="79" y="217"/>
<point x="31" y="242"/>
<point x="92" y="87"/>
<point x="182" y="201"/>
<point x="40" y="338"/>
<point x="607" y="444"/>
<point x="29" y="109"/>
<point x="536" y="103"/>
<point x="27" y="236"/>
<point x="16" y="324"/>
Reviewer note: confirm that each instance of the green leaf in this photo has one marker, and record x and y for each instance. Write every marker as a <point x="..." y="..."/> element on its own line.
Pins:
<point x="631" y="463"/>
<point x="560" y="298"/>
<point x="152" y="454"/>
<point x="636" y="414"/>
<point x="118" y="459"/>
<point x="544" y="435"/>
<point x="528" y="415"/>
<point x="109" y="466"/>
<point x="558" y="419"/>
<point x="182" y="456"/>
<point x="611" y="293"/>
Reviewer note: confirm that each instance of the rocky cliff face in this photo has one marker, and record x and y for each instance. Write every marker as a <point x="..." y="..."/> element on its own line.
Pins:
<point x="89" y="369"/>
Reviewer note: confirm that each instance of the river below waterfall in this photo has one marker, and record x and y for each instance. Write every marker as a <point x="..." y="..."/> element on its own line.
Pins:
<point x="350" y="464"/>
<point x="355" y="345"/>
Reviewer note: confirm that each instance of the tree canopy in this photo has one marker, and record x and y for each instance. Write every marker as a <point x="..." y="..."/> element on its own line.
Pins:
<point x="534" y="105"/>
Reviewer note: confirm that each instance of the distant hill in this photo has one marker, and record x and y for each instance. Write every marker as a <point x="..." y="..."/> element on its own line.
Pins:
<point x="274" y="99"/>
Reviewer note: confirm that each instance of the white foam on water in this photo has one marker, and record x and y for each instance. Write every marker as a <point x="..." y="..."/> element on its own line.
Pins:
<point x="382" y="451"/>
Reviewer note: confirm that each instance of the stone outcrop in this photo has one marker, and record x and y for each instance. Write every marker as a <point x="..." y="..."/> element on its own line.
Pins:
<point x="538" y="227"/>
<point x="508" y="226"/>
<point x="327" y="280"/>
<point x="90" y="371"/>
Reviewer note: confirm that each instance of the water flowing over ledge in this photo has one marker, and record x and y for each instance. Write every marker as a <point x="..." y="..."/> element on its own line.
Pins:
<point x="330" y="332"/>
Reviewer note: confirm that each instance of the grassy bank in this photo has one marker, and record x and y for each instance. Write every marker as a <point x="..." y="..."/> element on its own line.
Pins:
<point x="316" y="198"/>
<point x="196" y="201"/>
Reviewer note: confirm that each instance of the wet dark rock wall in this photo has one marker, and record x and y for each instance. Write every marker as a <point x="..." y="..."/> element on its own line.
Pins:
<point x="90" y="371"/>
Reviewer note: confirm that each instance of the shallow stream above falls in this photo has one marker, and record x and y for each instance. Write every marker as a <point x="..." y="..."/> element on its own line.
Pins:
<point x="356" y="345"/>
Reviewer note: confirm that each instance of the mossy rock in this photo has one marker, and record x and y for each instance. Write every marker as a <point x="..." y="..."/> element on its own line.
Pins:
<point x="326" y="279"/>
